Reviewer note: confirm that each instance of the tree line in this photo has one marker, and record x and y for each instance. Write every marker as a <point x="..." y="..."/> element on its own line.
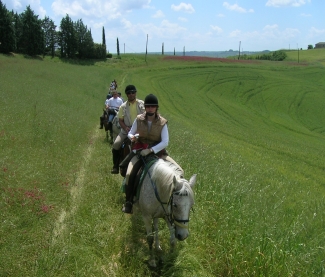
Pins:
<point x="25" y="33"/>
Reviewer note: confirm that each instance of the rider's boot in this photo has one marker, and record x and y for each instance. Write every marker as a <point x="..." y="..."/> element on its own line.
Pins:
<point x="127" y="208"/>
<point x="124" y="164"/>
<point x="116" y="157"/>
<point x="110" y="126"/>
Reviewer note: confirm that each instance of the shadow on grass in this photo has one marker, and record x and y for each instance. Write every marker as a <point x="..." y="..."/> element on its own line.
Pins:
<point x="136" y="249"/>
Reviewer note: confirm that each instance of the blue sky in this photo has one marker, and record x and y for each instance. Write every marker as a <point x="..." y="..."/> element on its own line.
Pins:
<point x="197" y="25"/>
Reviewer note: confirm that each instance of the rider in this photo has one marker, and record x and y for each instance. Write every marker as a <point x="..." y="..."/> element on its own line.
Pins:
<point x="127" y="113"/>
<point x="102" y="117"/>
<point x="113" y="105"/>
<point x="150" y="133"/>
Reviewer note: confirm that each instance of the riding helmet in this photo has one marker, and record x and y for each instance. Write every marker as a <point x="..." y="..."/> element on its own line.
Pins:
<point x="130" y="88"/>
<point x="151" y="100"/>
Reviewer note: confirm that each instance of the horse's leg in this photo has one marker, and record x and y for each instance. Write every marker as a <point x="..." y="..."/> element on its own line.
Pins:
<point x="150" y="239"/>
<point x="172" y="238"/>
<point x="157" y="242"/>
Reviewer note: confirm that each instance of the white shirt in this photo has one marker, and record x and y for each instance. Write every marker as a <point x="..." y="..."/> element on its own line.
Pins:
<point x="114" y="103"/>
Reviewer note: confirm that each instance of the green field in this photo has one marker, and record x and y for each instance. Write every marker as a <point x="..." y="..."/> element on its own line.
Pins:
<point x="252" y="131"/>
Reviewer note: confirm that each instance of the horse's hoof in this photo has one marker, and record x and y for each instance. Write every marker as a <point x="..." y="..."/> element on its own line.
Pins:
<point x="152" y="263"/>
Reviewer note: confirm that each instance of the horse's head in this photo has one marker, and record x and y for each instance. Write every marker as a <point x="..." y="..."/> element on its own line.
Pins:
<point x="183" y="200"/>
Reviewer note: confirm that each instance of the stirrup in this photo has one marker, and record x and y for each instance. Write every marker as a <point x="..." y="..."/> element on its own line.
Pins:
<point x="127" y="208"/>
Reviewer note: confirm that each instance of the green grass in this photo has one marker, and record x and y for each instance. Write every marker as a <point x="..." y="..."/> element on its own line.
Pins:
<point x="253" y="132"/>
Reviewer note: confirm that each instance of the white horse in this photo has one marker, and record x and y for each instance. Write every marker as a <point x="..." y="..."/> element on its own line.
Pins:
<point x="116" y="128"/>
<point x="165" y="194"/>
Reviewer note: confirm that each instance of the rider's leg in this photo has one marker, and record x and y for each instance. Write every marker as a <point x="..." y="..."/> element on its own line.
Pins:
<point x="116" y="152"/>
<point x="131" y="173"/>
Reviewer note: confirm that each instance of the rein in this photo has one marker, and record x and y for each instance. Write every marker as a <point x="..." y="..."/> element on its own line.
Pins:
<point x="172" y="220"/>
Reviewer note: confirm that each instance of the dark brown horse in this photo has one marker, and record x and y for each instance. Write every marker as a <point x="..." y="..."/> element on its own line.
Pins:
<point x="111" y="128"/>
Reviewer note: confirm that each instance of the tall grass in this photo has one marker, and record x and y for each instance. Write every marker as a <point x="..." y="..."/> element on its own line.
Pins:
<point x="254" y="134"/>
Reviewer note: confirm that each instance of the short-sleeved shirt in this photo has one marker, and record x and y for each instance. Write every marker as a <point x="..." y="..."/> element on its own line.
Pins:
<point x="133" y="111"/>
<point x="114" y="103"/>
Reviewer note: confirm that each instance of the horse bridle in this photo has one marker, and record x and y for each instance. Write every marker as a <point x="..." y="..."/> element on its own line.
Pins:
<point x="171" y="217"/>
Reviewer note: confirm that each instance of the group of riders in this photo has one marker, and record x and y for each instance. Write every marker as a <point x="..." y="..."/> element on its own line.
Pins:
<point x="147" y="130"/>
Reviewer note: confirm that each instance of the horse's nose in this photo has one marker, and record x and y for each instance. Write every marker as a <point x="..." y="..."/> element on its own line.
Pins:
<point x="181" y="237"/>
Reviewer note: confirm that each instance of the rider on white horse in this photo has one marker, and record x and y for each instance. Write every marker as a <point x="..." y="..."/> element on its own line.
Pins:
<point x="152" y="137"/>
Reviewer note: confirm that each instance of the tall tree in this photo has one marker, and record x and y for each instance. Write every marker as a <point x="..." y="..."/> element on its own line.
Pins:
<point x="85" y="43"/>
<point x="118" y="48"/>
<point x="32" y="39"/>
<point x="18" y="26"/>
<point x="67" y="38"/>
<point x="50" y="35"/>
<point x="103" y="37"/>
<point x="104" y="40"/>
<point x="7" y="31"/>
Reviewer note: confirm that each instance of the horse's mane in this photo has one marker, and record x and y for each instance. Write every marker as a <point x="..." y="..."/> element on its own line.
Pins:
<point x="163" y="174"/>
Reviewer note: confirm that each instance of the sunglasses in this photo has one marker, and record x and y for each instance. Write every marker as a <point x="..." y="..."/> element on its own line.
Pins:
<point x="131" y="92"/>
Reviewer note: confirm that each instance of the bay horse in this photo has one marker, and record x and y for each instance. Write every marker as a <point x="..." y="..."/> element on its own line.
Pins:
<point x="164" y="193"/>
<point x="113" y="128"/>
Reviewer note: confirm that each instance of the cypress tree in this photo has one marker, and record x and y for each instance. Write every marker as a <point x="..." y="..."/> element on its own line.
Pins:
<point x="32" y="39"/>
<point x="118" y="48"/>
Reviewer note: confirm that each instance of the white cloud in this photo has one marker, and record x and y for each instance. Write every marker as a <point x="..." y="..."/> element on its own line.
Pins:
<point x="220" y="15"/>
<point x="235" y="33"/>
<point x="305" y="15"/>
<point x="293" y="3"/>
<point x="236" y="8"/>
<point x="158" y="14"/>
<point x="182" y="19"/>
<point x="21" y="5"/>
<point x="217" y="29"/>
<point x="17" y="5"/>
<point x="109" y="9"/>
<point x="316" y="33"/>
<point x="183" y="7"/>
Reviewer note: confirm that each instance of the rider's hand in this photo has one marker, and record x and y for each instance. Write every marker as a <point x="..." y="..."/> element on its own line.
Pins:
<point x="145" y="152"/>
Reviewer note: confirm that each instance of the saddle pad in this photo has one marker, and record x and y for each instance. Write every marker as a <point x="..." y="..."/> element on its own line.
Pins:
<point x="143" y="174"/>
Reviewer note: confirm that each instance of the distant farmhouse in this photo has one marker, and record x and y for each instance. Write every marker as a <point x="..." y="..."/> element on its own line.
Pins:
<point x="320" y="45"/>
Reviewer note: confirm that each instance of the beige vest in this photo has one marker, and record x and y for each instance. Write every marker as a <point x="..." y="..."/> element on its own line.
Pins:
<point x="154" y="136"/>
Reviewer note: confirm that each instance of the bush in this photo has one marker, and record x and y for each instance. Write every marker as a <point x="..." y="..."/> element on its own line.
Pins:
<point x="278" y="55"/>
<point x="109" y="55"/>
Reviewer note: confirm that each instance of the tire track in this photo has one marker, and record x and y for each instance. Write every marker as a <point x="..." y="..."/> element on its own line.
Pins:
<point x="75" y="193"/>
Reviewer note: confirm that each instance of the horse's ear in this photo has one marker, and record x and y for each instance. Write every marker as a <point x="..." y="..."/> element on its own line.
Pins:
<point x="192" y="181"/>
<point x="176" y="182"/>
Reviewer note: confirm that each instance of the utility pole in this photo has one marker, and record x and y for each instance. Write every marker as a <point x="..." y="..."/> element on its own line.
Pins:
<point x="239" y="51"/>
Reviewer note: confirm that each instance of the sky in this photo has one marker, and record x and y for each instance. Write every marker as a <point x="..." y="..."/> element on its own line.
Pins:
<point x="193" y="25"/>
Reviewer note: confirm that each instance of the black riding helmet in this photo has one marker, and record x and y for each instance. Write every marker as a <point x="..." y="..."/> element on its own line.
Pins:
<point x="151" y="100"/>
<point x="130" y="88"/>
